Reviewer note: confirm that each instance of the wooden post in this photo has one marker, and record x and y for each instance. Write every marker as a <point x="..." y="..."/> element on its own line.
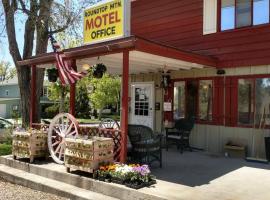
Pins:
<point x="72" y="99"/>
<point x="33" y="95"/>
<point x="124" y="106"/>
<point x="72" y="92"/>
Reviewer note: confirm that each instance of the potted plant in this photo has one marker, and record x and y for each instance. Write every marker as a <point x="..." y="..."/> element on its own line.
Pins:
<point x="98" y="70"/>
<point x="52" y="74"/>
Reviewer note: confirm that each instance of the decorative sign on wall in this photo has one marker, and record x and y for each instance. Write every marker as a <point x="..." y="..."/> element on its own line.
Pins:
<point x="167" y="106"/>
<point x="107" y="20"/>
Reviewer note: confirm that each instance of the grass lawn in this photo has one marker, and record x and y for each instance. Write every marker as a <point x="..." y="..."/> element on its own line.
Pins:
<point x="5" y="149"/>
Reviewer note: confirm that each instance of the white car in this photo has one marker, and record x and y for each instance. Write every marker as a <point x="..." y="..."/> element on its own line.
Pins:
<point x="5" y="130"/>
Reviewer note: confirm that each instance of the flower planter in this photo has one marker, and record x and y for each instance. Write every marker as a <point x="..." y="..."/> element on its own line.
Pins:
<point x="135" y="186"/>
<point x="118" y="181"/>
<point x="87" y="155"/>
<point x="234" y="151"/>
<point x="29" y="144"/>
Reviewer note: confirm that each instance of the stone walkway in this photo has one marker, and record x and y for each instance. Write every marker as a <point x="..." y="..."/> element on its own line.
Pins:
<point x="10" y="191"/>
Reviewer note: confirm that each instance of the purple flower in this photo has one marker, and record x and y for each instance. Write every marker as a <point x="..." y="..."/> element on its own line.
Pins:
<point x="142" y="170"/>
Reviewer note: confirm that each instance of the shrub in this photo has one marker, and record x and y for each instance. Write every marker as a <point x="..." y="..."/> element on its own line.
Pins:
<point x="5" y="149"/>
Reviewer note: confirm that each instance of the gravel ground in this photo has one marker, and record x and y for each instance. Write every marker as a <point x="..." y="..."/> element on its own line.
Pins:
<point x="9" y="191"/>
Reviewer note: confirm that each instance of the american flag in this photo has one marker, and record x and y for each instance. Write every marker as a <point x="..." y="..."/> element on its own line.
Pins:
<point x="66" y="72"/>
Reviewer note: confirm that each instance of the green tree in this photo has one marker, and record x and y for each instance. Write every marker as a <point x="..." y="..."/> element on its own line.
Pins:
<point x="82" y="106"/>
<point x="106" y="92"/>
<point x="6" y="71"/>
<point x="59" y="95"/>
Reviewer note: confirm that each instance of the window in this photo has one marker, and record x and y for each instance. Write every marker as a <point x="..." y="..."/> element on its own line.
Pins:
<point x="193" y="99"/>
<point x="262" y="99"/>
<point x="253" y="100"/>
<point x="142" y="102"/>
<point x="205" y="99"/>
<point x="245" y="101"/>
<point x="260" y="12"/>
<point x="242" y="13"/>
<point x="179" y="100"/>
<point x="227" y="14"/>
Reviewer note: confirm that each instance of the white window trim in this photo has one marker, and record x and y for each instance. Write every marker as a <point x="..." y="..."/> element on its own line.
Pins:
<point x="209" y="16"/>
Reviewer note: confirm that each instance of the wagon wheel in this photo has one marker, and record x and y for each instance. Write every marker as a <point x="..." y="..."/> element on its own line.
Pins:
<point x="109" y="124"/>
<point x="62" y="126"/>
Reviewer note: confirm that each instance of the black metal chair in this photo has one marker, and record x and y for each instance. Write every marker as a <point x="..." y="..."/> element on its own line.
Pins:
<point x="179" y="134"/>
<point x="146" y="145"/>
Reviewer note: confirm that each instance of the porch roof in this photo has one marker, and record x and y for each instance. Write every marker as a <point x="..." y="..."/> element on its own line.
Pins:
<point x="145" y="56"/>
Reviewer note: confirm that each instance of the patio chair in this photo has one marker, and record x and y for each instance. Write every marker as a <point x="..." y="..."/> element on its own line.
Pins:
<point x="146" y="145"/>
<point x="179" y="134"/>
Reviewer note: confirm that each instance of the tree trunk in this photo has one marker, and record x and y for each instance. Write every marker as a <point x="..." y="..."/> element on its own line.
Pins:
<point x="41" y="47"/>
<point x="100" y="113"/>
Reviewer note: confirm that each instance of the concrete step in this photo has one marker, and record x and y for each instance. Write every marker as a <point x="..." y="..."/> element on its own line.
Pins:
<point x="48" y="185"/>
<point x="51" y="170"/>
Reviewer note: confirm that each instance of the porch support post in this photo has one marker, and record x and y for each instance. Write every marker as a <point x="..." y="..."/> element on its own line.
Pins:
<point x="124" y="106"/>
<point x="33" y="95"/>
<point x="72" y="92"/>
<point x="72" y="99"/>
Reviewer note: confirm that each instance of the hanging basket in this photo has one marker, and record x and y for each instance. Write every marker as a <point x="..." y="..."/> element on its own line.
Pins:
<point x="98" y="70"/>
<point x="166" y="81"/>
<point x="52" y="74"/>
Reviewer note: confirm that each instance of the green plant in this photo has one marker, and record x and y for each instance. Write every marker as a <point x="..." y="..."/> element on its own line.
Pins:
<point x="98" y="70"/>
<point x="5" y="149"/>
<point x="52" y="74"/>
<point x="51" y="111"/>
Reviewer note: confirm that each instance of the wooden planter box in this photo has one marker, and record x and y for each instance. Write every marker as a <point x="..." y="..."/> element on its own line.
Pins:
<point x="87" y="155"/>
<point x="235" y="151"/>
<point x="29" y="145"/>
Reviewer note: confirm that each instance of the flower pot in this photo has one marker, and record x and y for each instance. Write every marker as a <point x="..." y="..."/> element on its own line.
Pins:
<point x="99" y="70"/>
<point x="52" y="75"/>
<point x="98" y="74"/>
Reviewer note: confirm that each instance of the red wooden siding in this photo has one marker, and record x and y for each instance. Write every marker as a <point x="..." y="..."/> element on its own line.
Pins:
<point x="179" y="23"/>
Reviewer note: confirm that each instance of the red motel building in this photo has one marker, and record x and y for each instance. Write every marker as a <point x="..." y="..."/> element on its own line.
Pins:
<point x="216" y="54"/>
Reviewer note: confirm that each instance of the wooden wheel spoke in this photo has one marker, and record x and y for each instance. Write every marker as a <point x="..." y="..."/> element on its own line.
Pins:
<point x="61" y="126"/>
<point x="60" y="151"/>
<point x="71" y="133"/>
<point x="56" y="131"/>
<point x="57" y="142"/>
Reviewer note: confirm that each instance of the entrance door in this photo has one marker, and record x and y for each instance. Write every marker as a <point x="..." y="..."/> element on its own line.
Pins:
<point x="142" y="104"/>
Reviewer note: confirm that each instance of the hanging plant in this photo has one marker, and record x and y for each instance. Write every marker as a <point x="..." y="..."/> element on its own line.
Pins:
<point x="52" y="74"/>
<point x="166" y="81"/>
<point x="98" y="70"/>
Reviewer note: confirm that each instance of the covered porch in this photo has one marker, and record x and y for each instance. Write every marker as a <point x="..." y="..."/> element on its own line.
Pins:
<point x="125" y="57"/>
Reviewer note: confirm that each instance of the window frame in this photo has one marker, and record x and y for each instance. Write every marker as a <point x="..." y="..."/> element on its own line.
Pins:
<point x="234" y="100"/>
<point x="215" y="99"/>
<point x="235" y="20"/>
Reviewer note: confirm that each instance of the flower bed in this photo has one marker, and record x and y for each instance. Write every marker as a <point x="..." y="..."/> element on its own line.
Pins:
<point x="134" y="176"/>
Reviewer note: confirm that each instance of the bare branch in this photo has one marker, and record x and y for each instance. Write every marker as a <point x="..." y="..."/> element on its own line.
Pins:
<point x="24" y="9"/>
